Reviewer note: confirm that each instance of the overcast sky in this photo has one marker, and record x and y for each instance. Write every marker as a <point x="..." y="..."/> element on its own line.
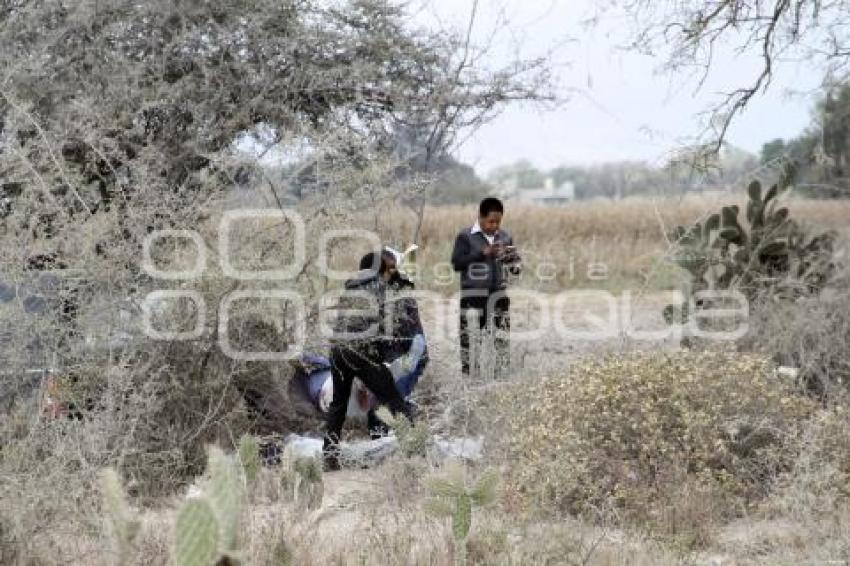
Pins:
<point x="621" y="106"/>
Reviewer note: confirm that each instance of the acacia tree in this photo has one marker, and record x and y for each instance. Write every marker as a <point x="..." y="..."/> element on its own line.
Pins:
<point x="119" y="117"/>
<point x="689" y="33"/>
<point x="96" y="94"/>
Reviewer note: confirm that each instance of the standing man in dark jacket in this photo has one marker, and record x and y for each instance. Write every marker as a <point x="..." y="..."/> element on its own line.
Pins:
<point x="484" y="254"/>
<point x="360" y="343"/>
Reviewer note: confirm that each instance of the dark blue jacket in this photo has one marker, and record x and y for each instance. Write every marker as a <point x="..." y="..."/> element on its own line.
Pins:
<point x="476" y="270"/>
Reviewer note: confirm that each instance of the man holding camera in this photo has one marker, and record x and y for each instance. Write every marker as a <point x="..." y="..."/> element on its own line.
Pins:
<point x="485" y="256"/>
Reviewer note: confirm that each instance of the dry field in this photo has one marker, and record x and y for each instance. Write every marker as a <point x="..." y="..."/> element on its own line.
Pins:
<point x="599" y="244"/>
<point x="379" y="516"/>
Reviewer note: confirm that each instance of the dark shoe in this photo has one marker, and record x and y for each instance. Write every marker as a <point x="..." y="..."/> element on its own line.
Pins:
<point x="270" y="453"/>
<point x="330" y="455"/>
<point x="412" y="411"/>
<point x="330" y="463"/>
<point x="377" y="427"/>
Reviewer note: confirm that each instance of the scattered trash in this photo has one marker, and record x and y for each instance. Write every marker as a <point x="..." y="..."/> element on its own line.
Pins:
<point x="786" y="372"/>
<point x="368" y="453"/>
<point x="359" y="453"/>
<point x="462" y="448"/>
<point x="303" y="446"/>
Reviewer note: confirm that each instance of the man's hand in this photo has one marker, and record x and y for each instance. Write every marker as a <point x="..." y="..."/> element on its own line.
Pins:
<point x="493" y="250"/>
<point x="509" y="255"/>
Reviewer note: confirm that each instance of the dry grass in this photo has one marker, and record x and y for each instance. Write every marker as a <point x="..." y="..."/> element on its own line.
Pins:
<point x="365" y="520"/>
<point x="376" y="516"/>
<point x="602" y="243"/>
<point x="627" y="236"/>
<point x="810" y="334"/>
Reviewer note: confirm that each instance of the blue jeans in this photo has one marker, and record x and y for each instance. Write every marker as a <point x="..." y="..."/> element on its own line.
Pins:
<point x="407" y="382"/>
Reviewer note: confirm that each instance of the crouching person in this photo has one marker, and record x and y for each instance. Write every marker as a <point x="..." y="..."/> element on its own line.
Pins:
<point x="408" y="350"/>
<point x="407" y="357"/>
<point x="360" y="344"/>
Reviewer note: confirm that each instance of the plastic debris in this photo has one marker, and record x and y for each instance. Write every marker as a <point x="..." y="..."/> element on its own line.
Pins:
<point x="462" y="448"/>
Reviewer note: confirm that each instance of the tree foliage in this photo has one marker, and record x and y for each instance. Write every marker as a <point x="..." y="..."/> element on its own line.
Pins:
<point x="618" y="179"/>
<point x="118" y="118"/>
<point x="821" y="153"/>
<point x="689" y="34"/>
<point x="100" y="97"/>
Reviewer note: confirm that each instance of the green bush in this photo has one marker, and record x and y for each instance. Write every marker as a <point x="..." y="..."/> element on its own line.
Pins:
<point x="624" y="431"/>
<point x="773" y="256"/>
<point x="413" y="439"/>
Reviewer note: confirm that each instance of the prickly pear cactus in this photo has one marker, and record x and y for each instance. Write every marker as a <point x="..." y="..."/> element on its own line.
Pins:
<point x="196" y="534"/>
<point x="207" y="528"/>
<point x="772" y="257"/>
<point x="451" y="497"/>
<point x="249" y="456"/>
<point x="226" y="495"/>
<point x="413" y="439"/>
<point x="122" y="524"/>
<point x="485" y="492"/>
<point x="462" y="517"/>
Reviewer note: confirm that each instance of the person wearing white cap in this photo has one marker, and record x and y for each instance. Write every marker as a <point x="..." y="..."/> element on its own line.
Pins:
<point x="360" y="344"/>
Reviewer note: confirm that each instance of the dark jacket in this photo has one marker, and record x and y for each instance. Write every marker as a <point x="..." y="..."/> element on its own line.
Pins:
<point x="476" y="270"/>
<point x="360" y="321"/>
<point x="405" y="320"/>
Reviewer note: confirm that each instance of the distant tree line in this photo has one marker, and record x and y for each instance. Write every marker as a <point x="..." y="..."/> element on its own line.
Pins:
<point x="620" y="179"/>
<point x="821" y="153"/>
<point x="820" y="156"/>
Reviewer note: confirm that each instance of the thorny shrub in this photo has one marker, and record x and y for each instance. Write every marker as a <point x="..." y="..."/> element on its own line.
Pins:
<point x="810" y="334"/>
<point x="623" y="431"/>
<point x="819" y="482"/>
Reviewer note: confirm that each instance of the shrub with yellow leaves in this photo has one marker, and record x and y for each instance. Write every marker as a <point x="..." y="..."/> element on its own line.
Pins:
<point x="625" y="431"/>
<point x="819" y="482"/>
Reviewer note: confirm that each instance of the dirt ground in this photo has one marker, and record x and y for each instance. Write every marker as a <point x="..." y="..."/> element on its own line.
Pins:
<point x="375" y="516"/>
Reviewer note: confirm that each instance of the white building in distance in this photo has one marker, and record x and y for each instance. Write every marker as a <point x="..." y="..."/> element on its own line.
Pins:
<point x="549" y="194"/>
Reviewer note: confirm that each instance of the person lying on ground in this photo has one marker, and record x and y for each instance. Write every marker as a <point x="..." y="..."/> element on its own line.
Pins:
<point x="406" y="359"/>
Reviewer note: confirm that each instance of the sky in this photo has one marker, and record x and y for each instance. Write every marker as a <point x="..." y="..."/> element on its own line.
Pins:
<point x="620" y="105"/>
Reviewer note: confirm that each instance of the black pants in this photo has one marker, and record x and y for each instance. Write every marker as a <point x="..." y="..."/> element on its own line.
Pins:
<point x="493" y="314"/>
<point x="346" y="364"/>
